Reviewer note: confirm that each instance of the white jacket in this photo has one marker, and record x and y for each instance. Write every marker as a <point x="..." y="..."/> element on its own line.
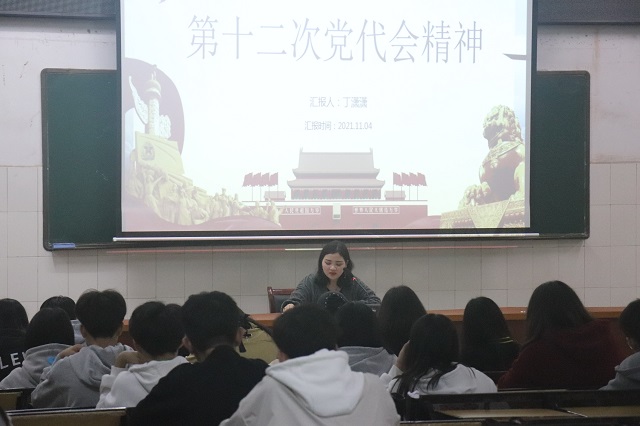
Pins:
<point x="126" y="387"/>
<point x="461" y="379"/>
<point x="35" y="361"/>
<point x="318" y="389"/>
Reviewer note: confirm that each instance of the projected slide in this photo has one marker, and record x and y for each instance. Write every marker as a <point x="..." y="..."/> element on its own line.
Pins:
<point x="282" y="115"/>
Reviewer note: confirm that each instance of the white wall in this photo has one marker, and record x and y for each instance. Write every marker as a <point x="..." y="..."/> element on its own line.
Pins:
<point x="445" y="274"/>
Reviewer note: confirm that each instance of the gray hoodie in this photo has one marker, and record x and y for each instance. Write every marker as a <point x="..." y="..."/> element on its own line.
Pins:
<point x="627" y="374"/>
<point x="74" y="381"/>
<point x="35" y="361"/>
<point x="369" y="360"/>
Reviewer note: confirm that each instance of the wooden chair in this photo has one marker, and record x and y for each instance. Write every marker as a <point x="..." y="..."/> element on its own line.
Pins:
<point x="69" y="417"/>
<point x="276" y="296"/>
<point x="15" y="399"/>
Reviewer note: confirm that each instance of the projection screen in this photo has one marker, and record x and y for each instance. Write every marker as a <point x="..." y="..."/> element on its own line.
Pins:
<point x="287" y="119"/>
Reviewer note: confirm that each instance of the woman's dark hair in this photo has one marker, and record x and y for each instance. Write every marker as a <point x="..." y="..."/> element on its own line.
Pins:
<point x="554" y="305"/>
<point x="49" y="325"/>
<point x="399" y="309"/>
<point x="482" y="322"/>
<point x="13" y="315"/>
<point x="433" y="347"/>
<point x="63" y="302"/>
<point x="630" y="321"/>
<point x="358" y="326"/>
<point x="330" y="248"/>
<point x="156" y="327"/>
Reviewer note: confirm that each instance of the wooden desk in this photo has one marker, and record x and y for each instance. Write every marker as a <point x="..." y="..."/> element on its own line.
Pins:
<point x="507" y="413"/>
<point x="609" y="411"/>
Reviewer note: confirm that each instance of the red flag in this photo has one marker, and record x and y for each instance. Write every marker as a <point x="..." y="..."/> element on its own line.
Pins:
<point x="264" y="180"/>
<point x="273" y="179"/>
<point x="396" y="179"/>
<point x="413" y="180"/>
<point x="405" y="179"/>
<point x="248" y="180"/>
<point x="422" y="180"/>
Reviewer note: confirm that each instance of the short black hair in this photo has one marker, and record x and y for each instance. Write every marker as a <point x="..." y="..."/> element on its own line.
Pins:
<point x="63" y="302"/>
<point x="49" y="325"/>
<point x="358" y="326"/>
<point x="210" y="319"/>
<point x="101" y="312"/>
<point x="305" y="330"/>
<point x="156" y="327"/>
<point x="13" y="315"/>
<point x="630" y="320"/>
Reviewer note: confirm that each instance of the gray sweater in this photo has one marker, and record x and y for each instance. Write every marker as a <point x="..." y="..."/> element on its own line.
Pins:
<point x="35" y="361"/>
<point x="309" y="291"/>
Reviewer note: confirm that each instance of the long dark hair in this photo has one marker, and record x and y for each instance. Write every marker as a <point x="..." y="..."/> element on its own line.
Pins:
<point x="399" y="309"/>
<point x="554" y="305"/>
<point x="482" y="322"/>
<point x="340" y="248"/>
<point x="433" y="347"/>
<point x="13" y="315"/>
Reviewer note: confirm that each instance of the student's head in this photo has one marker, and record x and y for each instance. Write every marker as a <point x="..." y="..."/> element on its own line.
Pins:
<point x="63" y="302"/>
<point x="399" y="309"/>
<point x="13" y="315"/>
<point x="211" y="319"/>
<point x="101" y="313"/>
<point x="156" y="328"/>
<point x="334" y="262"/>
<point x="49" y="325"/>
<point x="305" y="330"/>
<point x="554" y="305"/>
<point x="433" y="345"/>
<point x="358" y="326"/>
<point x="630" y="324"/>
<point x="483" y="322"/>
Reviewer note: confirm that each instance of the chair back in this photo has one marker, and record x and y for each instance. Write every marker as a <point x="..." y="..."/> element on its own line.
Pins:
<point x="276" y="297"/>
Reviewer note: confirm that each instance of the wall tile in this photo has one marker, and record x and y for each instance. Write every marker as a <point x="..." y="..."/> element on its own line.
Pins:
<point x="281" y="271"/>
<point x="40" y="191"/>
<point x="22" y="234"/>
<point x="198" y="273"/>
<point x="468" y="270"/>
<point x="623" y="183"/>
<point x="41" y="252"/>
<point x="518" y="297"/>
<point x="462" y="297"/>
<point x="4" y="190"/>
<point x="306" y="263"/>
<point x="4" y="234"/>
<point x="4" y="278"/>
<point x="519" y="268"/>
<point x="597" y="269"/>
<point x="23" y="189"/>
<point x="365" y="268"/>
<point x="415" y="264"/>
<point x="22" y="273"/>
<point x="498" y="296"/>
<point x="441" y="270"/>
<point x="254" y="277"/>
<point x="623" y="266"/>
<point x="253" y="304"/>
<point x="624" y="225"/>
<point x="389" y="268"/>
<point x="31" y="308"/>
<point x="571" y="264"/>
<point x="546" y="264"/>
<point x="170" y="275"/>
<point x="600" y="184"/>
<point x="622" y="296"/>
<point x="132" y="304"/>
<point x="83" y="273"/>
<point x="600" y="226"/>
<point x="53" y="276"/>
<point x="597" y="296"/>
<point x="141" y="276"/>
<point x="439" y="299"/>
<point x="227" y="270"/>
<point x="494" y="269"/>
<point x="112" y="272"/>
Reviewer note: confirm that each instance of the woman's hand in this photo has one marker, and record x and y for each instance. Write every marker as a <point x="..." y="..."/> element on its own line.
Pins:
<point x="288" y="306"/>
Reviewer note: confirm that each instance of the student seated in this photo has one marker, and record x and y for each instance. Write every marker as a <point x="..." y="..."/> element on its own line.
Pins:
<point x="13" y="325"/>
<point x="313" y="384"/>
<point x="428" y="363"/>
<point x="400" y="308"/>
<point x="157" y="334"/>
<point x="69" y="306"/>
<point x="74" y="378"/>
<point x="628" y="372"/>
<point x="208" y="391"/>
<point x="565" y="348"/>
<point x="360" y="338"/>
<point x="48" y="333"/>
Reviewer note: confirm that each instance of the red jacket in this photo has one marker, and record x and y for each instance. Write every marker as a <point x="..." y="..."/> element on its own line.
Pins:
<point x="583" y="357"/>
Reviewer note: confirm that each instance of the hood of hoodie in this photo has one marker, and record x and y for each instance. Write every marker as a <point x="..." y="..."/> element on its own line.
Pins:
<point x="369" y="360"/>
<point x="92" y="362"/>
<point x="630" y="368"/>
<point x="323" y="381"/>
<point x="148" y="374"/>
<point x="38" y="358"/>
